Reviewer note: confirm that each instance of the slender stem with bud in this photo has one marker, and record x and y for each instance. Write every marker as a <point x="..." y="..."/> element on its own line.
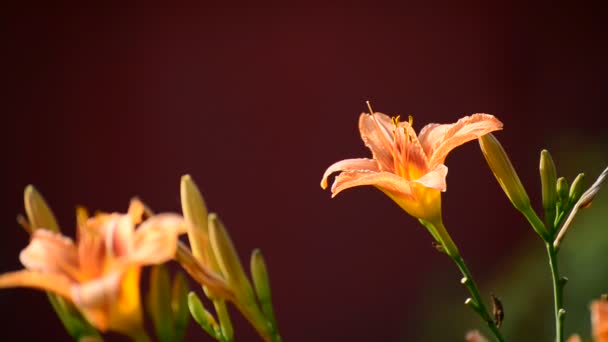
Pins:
<point x="475" y="302"/>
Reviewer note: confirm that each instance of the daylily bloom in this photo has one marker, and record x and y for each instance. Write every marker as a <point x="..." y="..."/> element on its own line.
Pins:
<point x="100" y="272"/>
<point x="599" y="322"/>
<point x="406" y="167"/>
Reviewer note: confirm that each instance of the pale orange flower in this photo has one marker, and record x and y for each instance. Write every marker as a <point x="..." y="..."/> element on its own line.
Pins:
<point x="100" y="272"/>
<point x="599" y="320"/>
<point x="406" y="167"/>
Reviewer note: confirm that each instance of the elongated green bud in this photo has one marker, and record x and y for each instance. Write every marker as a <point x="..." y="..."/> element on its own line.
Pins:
<point x="231" y="267"/>
<point x="179" y="305"/>
<point x="159" y="303"/>
<point x="507" y="177"/>
<point x="548" y="180"/>
<point x="38" y="211"/>
<point x="576" y="189"/>
<point x="503" y="170"/>
<point x="261" y="283"/>
<point x="203" y="317"/>
<point x="228" y="259"/>
<point x="562" y="191"/>
<point x="195" y="212"/>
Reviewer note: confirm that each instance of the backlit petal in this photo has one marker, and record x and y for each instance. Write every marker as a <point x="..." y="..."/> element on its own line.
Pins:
<point x="95" y="297"/>
<point x="155" y="240"/>
<point x="376" y="132"/>
<point x="358" y="164"/>
<point x="439" y="140"/>
<point x="51" y="253"/>
<point x="385" y="180"/>
<point x="52" y="282"/>
<point x="435" y="179"/>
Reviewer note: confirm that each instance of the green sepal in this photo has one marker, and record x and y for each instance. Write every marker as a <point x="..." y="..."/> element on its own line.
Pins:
<point x="159" y="303"/>
<point x="203" y="317"/>
<point x="261" y="283"/>
<point x="73" y="321"/>
<point x="179" y="305"/>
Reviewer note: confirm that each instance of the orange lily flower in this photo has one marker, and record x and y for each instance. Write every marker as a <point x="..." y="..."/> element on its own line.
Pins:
<point x="406" y="167"/>
<point x="599" y="320"/>
<point x="100" y="272"/>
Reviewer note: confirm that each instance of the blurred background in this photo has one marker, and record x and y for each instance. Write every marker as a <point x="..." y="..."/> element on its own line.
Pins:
<point x="102" y="104"/>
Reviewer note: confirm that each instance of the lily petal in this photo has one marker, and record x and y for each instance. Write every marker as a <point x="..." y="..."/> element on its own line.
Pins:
<point x="93" y="297"/>
<point x="52" y="282"/>
<point x="50" y="252"/>
<point x="384" y="180"/>
<point x="376" y="132"/>
<point x="155" y="240"/>
<point x="435" y="179"/>
<point x="356" y="164"/>
<point x="599" y="320"/>
<point x="439" y="140"/>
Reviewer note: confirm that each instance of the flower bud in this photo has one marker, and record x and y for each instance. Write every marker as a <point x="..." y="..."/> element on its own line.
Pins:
<point x="195" y="213"/>
<point x="203" y="317"/>
<point x="179" y="305"/>
<point x="38" y="212"/>
<point x="576" y="189"/>
<point x="228" y="259"/>
<point x="261" y="283"/>
<point x="548" y="179"/>
<point x="503" y="170"/>
<point x="562" y="190"/>
<point x="159" y="303"/>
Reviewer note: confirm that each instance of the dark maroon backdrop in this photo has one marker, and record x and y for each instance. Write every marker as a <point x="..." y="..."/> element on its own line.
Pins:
<point x="103" y="104"/>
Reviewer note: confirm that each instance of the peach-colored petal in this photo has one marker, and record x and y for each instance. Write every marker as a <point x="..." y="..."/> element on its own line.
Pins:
<point x="599" y="320"/>
<point x="384" y="180"/>
<point x="95" y="297"/>
<point x="50" y="252"/>
<point x="431" y="135"/>
<point x="155" y="240"/>
<point x="122" y="236"/>
<point x="439" y="140"/>
<point x="52" y="282"/>
<point x="574" y="338"/>
<point x="435" y="179"/>
<point x="358" y="164"/>
<point x="475" y="336"/>
<point x="376" y="132"/>
<point x="91" y="249"/>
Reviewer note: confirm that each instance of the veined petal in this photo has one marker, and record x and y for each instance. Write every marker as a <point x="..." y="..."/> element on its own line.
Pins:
<point x="410" y="159"/>
<point x="384" y="180"/>
<point x="357" y="164"/>
<point x="435" y="179"/>
<point x="430" y="136"/>
<point x="52" y="282"/>
<point x="155" y="240"/>
<point x="439" y="140"/>
<point x="376" y="132"/>
<point x="51" y="252"/>
<point x="91" y="247"/>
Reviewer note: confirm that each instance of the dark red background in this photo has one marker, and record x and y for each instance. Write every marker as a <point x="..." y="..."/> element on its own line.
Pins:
<point x="101" y="104"/>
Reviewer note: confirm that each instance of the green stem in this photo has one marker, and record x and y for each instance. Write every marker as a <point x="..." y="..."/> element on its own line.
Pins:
<point x="477" y="305"/>
<point x="452" y="251"/>
<point x="558" y="293"/>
